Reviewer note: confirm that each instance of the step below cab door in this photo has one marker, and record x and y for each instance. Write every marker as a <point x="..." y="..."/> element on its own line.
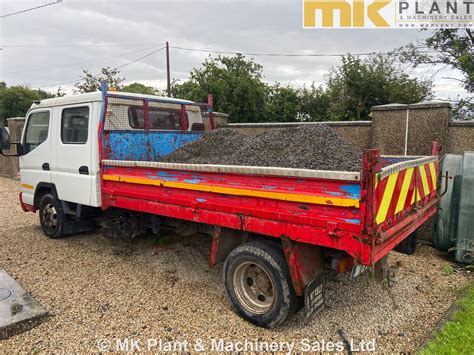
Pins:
<point x="35" y="162"/>
<point x="71" y="155"/>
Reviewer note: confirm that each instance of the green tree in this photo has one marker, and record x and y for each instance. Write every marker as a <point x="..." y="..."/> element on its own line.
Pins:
<point x="314" y="104"/>
<point x="450" y="48"/>
<point x="358" y="84"/>
<point x="282" y="104"/>
<point x="60" y="92"/>
<point x="236" y="83"/>
<point x="453" y="48"/>
<point x="90" y="82"/>
<point x="463" y="109"/>
<point x="138" y="88"/>
<point x="15" y="101"/>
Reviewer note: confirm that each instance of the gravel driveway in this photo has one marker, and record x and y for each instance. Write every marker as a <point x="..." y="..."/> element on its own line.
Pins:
<point x="101" y="288"/>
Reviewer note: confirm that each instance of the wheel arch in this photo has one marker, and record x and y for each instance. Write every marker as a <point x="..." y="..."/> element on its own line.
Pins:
<point x="41" y="189"/>
<point x="224" y="240"/>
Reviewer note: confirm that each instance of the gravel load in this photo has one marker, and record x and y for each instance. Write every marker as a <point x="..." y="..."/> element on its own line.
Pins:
<point x="315" y="147"/>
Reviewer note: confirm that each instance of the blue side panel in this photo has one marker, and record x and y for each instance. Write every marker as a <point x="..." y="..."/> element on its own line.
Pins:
<point x="352" y="191"/>
<point x="146" y="146"/>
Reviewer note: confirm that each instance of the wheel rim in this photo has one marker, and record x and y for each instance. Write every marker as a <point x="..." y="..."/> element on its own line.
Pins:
<point x="254" y="288"/>
<point x="50" y="217"/>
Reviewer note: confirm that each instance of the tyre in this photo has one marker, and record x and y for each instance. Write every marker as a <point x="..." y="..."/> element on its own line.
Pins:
<point x="51" y="216"/>
<point x="408" y="245"/>
<point x="258" y="284"/>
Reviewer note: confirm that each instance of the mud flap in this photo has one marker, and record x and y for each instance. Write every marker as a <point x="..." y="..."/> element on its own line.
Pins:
<point x="79" y="226"/>
<point x="314" y="297"/>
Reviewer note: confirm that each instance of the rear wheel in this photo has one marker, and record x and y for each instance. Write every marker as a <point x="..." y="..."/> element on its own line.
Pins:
<point x="258" y="285"/>
<point x="51" y="217"/>
<point x="408" y="245"/>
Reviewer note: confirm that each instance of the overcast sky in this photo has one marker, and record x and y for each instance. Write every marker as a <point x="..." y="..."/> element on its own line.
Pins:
<point x="35" y="43"/>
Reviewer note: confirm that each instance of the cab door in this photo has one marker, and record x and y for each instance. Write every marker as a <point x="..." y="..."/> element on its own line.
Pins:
<point x="71" y="156"/>
<point x="35" y="162"/>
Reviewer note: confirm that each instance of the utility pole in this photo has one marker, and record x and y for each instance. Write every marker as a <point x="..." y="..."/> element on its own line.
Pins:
<point x="168" y="74"/>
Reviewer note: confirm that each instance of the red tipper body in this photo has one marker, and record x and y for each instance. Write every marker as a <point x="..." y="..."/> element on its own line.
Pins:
<point x="365" y="214"/>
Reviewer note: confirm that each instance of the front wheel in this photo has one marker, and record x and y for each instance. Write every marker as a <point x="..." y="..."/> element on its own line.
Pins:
<point x="51" y="217"/>
<point x="258" y="284"/>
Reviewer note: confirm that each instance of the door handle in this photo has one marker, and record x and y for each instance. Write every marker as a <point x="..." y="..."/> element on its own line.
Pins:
<point x="45" y="166"/>
<point x="84" y="170"/>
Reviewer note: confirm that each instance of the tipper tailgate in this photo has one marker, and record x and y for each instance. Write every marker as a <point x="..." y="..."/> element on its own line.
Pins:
<point x="405" y="196"/>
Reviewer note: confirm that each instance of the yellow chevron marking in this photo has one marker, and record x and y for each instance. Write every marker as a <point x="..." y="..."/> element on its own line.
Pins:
<point x="433" y="175"/>
<point x="318" y="200"/>
<point x="404" y="191"/>
<point x="418" y="195"/>
<point x="424" y="180"/>
<point x="387" y="197"/>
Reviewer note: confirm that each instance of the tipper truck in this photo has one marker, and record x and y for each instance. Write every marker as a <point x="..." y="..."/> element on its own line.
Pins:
<point x="95" y="160"/>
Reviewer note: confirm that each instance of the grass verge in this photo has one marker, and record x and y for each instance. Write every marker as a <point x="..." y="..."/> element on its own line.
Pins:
<point x="457" y="334"/>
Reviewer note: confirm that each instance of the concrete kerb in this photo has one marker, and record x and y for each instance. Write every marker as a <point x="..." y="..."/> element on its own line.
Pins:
<point x="19" y="311"/>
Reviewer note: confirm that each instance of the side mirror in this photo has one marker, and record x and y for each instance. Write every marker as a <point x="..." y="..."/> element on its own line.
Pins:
<point x="6" y="144"/>
<point x="5" y="139"/>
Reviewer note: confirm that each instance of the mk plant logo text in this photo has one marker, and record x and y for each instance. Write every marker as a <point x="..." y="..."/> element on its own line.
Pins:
<point x="326" y="14"/>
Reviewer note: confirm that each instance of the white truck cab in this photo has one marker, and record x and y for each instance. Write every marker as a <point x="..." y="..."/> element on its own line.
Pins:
<point x="59" y="148"/>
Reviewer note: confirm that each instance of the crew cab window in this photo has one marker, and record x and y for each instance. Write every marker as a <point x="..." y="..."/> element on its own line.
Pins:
<point x="36" y="131"/>
<point x="75" y="125"/>
<point x="160" y="118"/>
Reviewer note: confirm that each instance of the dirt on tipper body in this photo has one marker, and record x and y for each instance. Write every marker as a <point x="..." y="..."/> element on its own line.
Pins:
<point x="315" y="147"/>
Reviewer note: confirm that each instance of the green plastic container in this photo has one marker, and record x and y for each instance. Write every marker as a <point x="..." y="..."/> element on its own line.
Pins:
<point x="445" y="221"/>
<point x="453" y="226"/>
<point x="464" y="244"/>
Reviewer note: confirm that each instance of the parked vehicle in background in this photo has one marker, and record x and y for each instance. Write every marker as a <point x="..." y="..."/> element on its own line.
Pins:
<point x="94" y="159"/>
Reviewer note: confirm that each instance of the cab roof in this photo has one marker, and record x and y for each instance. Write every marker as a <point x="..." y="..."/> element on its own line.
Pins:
<point x="97" y="97"/>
